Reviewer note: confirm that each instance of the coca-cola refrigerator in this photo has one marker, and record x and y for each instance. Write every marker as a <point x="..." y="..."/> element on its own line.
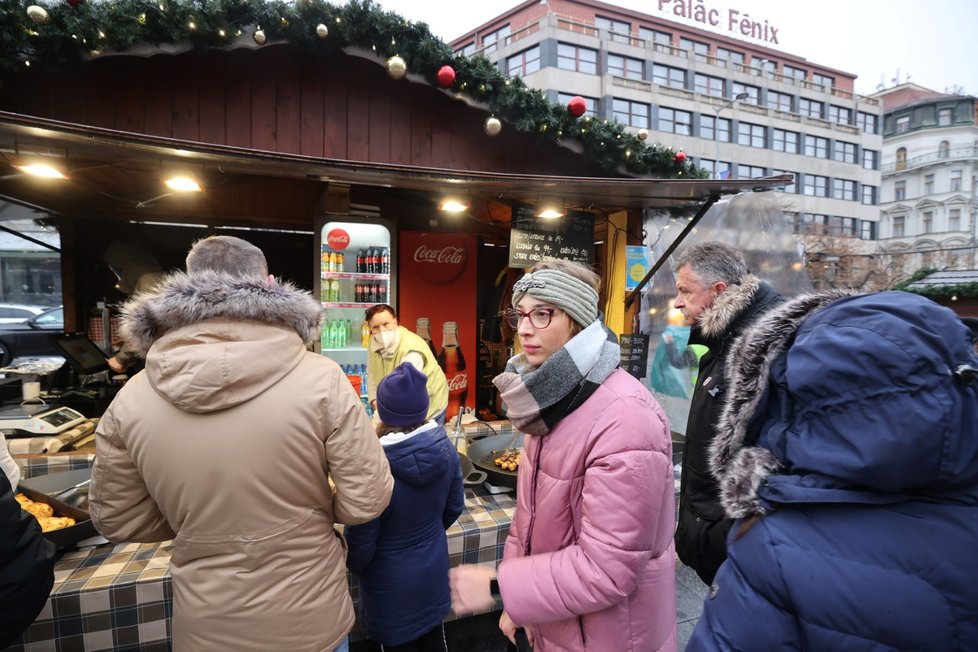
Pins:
<point x="356" y="269"/>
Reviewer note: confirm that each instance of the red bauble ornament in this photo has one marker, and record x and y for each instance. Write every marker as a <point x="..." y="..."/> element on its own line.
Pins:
<point x="446" y="76"/>
<point x="680" y="156"/>
<point x="576" y="106"/>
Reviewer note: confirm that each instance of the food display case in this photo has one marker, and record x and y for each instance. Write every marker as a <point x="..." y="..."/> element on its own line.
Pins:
<point x="355" y="271"/>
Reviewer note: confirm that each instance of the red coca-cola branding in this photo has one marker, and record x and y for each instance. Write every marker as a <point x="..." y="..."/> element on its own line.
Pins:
<point x="458" y="383"/>
<point x="440" y="258"/>
<point x="338" y="239"/>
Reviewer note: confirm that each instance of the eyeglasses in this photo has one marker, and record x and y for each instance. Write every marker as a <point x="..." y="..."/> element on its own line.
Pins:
<point x="539" y="317"/>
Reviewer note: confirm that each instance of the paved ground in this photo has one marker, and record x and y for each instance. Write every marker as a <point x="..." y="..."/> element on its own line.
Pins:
<point x="480" y="634"/>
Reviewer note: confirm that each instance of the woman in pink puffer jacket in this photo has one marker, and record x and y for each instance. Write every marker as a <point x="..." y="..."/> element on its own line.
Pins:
<point x="589" y="561"/>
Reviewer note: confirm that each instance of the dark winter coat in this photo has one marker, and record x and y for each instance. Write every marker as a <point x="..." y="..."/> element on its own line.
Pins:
<point x="26" y="566"/>
<point x="401" y="557"/>
<point x="850" y="441"/>
<point x="702" y="529"/>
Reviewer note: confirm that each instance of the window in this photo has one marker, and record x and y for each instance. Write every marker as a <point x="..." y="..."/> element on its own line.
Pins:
<point x="901" y="158"/>
<point x="633" y="114"/>
<point x="844" y="226"/>
<point x="712" y="128"/>
<point x="812" y="223"/>
<point x="708" y="85"/>
<point x="612" y="25"/>
<point x="794" y="73"/>
<point x="749" y="171"/>
<point x="903" y="124"/>
<point x="661" y="41"/>
<point x="899" y="191"/>
<point x="844" y="189"/>
<point x="954" y="219"/>
<point x="625" y="66"/>
<point x="823" y="80"/>
<point x="750" y="134"/>
<point x="676" y="122"/>
<point x="816" y="186"/>
<point x="716" y="169"/>
<point x="730" y="55"/>
<point x="789" y="187"/>
<point x="524" y="63"/>
<point x="944" y="149"/>
<point x="700" y="51"/>
<point x="590" y="104"/>
<point x="779" y="101"/>
<point x="768" y="67"/>
<point x="668" y="76"/>
<point x="845" y="152"/>
<point x="785" y="141"/>
<point x="945" y="117"/>
<point x="898" y="226"/>
<point x="867" y="122"/>
<point x="816" y="146"/>
<point x="867" y="230"/>
<point x="928" y="184"/>
<point x="811" y="108"/>
<point x="869" y="195"/>
<point x="928" y="222"/>
<point x="871" y="159"/>
<point x="466" y="50"/>
<point x="571" y="57"/>
<point x="839" y="115"/>
<point x="955" y="180"/>
<point x="753" y="92"/>
<point x="490" y="40"/>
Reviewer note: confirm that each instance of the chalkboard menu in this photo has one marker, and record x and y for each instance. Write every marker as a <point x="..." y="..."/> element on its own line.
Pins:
<point x="634" y="354"/>
<point x="531" y="239"/>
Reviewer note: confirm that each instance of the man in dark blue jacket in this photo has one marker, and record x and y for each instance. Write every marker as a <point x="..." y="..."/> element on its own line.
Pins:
<point x="848" y="446"/>
<point x="719" y="298"/>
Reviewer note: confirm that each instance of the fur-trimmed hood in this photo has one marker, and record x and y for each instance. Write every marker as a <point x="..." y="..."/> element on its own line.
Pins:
<point x="212" y="340"/>
<point x="728" y="307"/>
<point x="847" y="398"/>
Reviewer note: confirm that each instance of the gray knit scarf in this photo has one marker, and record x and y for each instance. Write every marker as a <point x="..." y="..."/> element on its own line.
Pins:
<point x="537" y="398"/>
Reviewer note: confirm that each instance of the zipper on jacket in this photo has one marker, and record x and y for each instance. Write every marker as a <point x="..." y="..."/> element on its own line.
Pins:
<point x="533" y="498"/>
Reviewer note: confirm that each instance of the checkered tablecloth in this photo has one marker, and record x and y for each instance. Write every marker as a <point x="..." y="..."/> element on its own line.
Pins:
<point x="119" y="597"/>
<point x="32" y="466"/>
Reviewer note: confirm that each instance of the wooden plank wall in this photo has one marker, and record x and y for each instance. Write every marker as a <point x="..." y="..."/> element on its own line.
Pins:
<point x="273" y="99"/>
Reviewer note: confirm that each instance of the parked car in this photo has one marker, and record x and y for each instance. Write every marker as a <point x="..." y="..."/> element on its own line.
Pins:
<point x="13" y="313"/>
<point x="31" y="337"/>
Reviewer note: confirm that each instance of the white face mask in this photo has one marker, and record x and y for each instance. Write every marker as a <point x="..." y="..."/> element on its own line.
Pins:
<point x="384" y="342"/>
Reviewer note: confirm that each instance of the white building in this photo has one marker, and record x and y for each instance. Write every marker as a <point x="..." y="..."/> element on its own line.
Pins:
<point x="930" y="179"/>
<point x="735" y="106"/>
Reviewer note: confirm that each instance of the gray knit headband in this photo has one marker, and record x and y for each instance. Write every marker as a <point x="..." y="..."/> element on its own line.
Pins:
<point x="572" y="295"/>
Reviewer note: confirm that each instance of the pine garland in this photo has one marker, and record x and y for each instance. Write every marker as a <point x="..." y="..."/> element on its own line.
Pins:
<point x="74" y="34"/>
<point x="960" y="290"/>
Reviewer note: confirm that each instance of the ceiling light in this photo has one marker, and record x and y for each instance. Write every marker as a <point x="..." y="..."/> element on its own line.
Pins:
<point x="549" y="213"/>
<point x="182" y="184"/>
<point x="452" y="206"/>
<point x="43" y="170"/>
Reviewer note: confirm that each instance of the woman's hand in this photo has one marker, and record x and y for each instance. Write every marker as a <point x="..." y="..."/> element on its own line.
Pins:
<point x="470" y="588"/>
<point x="507" y="627"/>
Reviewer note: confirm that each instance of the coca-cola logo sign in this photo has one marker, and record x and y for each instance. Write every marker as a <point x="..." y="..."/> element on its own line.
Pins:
<point x="338" y="239"/>
<point x="439" y="259"/>
<point x="458" y="382"/>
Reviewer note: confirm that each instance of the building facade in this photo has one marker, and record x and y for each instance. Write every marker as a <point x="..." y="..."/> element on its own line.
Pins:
<point x="739" y="109"/>
<point x="929" y="193"/>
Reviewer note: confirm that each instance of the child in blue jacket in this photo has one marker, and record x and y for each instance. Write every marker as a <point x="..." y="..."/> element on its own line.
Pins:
<point x="401" y="557"/>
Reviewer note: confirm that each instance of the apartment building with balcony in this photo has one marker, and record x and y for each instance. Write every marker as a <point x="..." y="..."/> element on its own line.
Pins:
<point x="929" y="193"/>
<point x="736" y="107"/>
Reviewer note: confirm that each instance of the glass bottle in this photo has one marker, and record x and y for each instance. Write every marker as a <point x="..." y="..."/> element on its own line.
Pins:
<point x="452" y="362"/>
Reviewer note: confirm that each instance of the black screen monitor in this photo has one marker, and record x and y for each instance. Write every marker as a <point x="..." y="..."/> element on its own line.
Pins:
<point x="80" y="352"/>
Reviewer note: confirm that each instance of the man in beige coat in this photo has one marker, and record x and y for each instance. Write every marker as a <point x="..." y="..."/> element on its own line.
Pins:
<point x="224" y="443"/>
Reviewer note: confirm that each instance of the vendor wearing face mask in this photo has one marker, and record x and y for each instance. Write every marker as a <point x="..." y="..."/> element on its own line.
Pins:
<point x="391" y="345"/>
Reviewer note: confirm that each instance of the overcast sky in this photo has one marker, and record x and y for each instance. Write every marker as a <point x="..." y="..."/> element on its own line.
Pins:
<point x="934" y="42"/>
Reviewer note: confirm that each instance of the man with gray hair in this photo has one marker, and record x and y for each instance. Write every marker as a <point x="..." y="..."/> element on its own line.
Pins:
<point x="228" y="443"/>
<point x="719" y="298"/>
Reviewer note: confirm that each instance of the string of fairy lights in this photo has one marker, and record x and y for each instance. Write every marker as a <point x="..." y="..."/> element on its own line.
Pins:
<point x="69" y="34"/>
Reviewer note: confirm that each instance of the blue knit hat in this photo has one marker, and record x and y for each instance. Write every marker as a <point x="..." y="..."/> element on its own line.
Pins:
<point x="402" y="396"/>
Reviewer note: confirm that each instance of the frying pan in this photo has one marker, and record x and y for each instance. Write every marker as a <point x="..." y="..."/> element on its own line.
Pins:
<point x="483" y="451"/>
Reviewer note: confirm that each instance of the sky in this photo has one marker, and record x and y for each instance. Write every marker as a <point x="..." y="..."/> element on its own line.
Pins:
<point x="933" y="43"/>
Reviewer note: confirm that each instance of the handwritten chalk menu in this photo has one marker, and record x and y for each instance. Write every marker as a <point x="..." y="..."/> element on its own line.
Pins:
<point x="634" y="354"/>
<point x="531" y="239"/>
